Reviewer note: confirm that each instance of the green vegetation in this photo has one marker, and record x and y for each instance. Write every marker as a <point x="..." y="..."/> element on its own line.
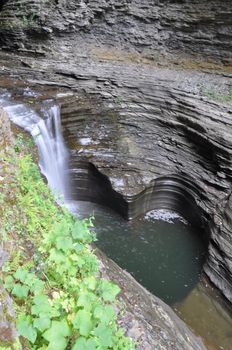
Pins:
<point x="52" y="274"/>
<point x="28" y="19"/>
<point x="227" y="97"/>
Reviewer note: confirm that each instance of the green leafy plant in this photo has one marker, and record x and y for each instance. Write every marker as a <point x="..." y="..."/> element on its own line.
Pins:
<point x="60" y="301"/>
<point x="28" y="19"/>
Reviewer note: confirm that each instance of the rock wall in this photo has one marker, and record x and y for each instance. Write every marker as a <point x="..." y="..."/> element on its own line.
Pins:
<point x="7" y="316"/>
<point x="197" y="29"/>
<point x="157" y="130"/>
<point x="145" y="318"/>
<point x="6" y="137"/>
<point x="144" y="123"/>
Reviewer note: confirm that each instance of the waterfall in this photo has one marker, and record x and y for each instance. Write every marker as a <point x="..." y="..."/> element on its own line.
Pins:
<point x="48" y="137"/>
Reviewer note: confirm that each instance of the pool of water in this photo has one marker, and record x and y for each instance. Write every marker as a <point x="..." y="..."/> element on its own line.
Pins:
<point x="161" y="250"/>
<point x="165" y="254"/>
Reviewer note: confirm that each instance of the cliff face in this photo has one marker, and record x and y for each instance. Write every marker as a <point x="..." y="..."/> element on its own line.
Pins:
<point x="143" y="316"/>
<point x="154" y="122"/>
<point x="192" y="29"/>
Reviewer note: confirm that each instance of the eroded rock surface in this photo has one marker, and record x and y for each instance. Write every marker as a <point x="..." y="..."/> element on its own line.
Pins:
<point x="146" y="318"/>
<point x="138" y="123"/>
<point x="139" y="26"/>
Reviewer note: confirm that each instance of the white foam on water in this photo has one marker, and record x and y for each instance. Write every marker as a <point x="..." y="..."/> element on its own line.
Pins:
<point x="164" y="215"/>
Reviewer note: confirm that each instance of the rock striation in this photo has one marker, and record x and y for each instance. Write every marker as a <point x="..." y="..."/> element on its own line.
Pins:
<point x="129" y="125"/>
<point x="134" y="124"/>
<point x="190" y="29"/>
<point x="146" y="318"/>
<point x="157" y="132"/>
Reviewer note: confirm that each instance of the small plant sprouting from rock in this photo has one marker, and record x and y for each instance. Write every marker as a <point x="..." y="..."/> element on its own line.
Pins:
<point x="28" y="19"/>
<point x="220" y="97"/>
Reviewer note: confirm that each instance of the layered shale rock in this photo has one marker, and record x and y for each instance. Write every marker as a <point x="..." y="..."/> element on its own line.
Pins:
<point x="131" y="127"/>
<point x="137" y="125"/>
<point x="146" y="318"/>
<point x="151" y="132"/>
<point x="192" y="29"/>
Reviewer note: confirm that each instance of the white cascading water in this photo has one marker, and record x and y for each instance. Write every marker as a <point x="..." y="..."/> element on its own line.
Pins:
<point x="48" y="137"/>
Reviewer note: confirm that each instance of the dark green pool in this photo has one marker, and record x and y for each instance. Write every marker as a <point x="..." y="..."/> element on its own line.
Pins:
<point x="165" y="254"/>
<point x="161" y="250"/>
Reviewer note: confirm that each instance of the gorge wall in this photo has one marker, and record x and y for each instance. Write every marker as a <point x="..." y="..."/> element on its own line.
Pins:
<point x="142" y="122"/>
<point x="183" y="28"/>
<point x="143" y="316"/>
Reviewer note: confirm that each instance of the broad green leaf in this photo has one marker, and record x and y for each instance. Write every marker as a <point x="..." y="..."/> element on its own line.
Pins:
<point x="64" y="243"/>
<point x="41" y="305"/>
<point x="58" y="329"/>
<point x="80" y="232"/>
<point x="83" y="322"/>
<point x="57" y="256"/>
<point x="78" y="247"/>
<point x="26" y="330"/>
<point x="59" y="343"/>
<point x="42" y="323"/>
<point x="90" y="282"/>
<point x="109" y="290"/>
<point x="20" y="291"/>
<point x="78" y="260"/>
<point x="105" y="314"/>
<point x="59" y="229"/>
<point x="104" y="334"/>
<point x="9" y="282"/>
<point x="83" y="344"/>
<point x="30" y="279"/>
<point x="86" y="299"/>
<point x="21" y="275"/>
<point x="37" y="287"/>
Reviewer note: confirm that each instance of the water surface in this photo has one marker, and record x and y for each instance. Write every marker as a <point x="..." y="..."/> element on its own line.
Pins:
<point x="165" y="254"/>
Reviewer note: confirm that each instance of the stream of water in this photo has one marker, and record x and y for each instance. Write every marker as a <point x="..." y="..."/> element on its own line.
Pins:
<point x="47" y="135"/>
<point x="161" y="250"/>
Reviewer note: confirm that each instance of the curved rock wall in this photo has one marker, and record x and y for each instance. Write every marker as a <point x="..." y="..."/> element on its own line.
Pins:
<point x="157" y="131"/>
<point x="197" y="28"/>
<point x="138" y="124"/>
<point x="149" y="321"/>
